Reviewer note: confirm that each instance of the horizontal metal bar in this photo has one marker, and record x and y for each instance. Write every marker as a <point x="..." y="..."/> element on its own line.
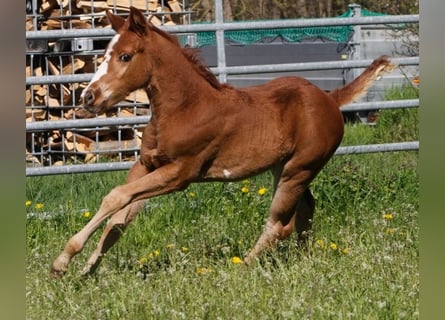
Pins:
<point x="115" y="166"/>
<point x="393" y="104"/>
<point x="79" y="168"/>
<point x="310" y="66"/>
<point x="267" y="68"/>
<point x="85" y="123"/>
<point x="142" y="120"/>
<point x="226" y="26"/>
<point x="72" y="78"/>
<point x="384" y="147"/>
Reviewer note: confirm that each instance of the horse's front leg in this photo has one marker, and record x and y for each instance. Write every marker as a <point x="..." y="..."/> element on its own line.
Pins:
<point x="161" y="181"/>
<point x="112" y="232"/>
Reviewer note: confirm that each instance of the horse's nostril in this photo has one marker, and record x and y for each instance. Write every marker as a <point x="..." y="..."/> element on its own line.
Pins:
<point x="88" y="98"/>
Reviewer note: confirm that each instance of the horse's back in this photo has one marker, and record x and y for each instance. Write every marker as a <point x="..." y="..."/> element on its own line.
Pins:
<point x="293" y="97"/>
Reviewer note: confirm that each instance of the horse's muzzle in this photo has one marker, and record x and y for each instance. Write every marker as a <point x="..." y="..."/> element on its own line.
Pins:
<point x="89" y="101"/>
<point x="88" y="98"/>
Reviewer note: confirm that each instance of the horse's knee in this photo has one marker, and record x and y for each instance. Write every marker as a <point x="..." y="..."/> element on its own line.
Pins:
<point x="115" y="200"/>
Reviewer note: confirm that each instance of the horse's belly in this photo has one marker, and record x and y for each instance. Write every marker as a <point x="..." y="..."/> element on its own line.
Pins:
<point x="244" y="164"/>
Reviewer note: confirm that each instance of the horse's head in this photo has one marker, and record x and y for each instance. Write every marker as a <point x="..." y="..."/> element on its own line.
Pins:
<point x="124" y="68"/>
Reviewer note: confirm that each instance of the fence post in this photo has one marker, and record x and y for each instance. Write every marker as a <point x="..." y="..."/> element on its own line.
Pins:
<point x="220" y="47"/>
<point x="355" y="43"/>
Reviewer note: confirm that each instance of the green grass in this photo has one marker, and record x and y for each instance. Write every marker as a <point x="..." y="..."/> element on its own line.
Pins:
<point x="175" y="261"/>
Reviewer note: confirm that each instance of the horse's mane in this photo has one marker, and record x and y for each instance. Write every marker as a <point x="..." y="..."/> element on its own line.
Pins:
<point x="191" y="54"/>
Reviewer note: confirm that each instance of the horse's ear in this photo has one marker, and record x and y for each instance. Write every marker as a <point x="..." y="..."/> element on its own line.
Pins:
<point x="115" y="20"/>
<point x="138" y="22"/>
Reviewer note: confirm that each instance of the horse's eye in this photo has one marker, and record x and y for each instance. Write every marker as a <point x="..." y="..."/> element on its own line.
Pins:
<point x="125" y="57"/>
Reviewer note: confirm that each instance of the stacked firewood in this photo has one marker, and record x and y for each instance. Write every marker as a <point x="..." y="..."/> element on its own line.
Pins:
<point x="49" y="102"/>
<point x="80" y="14"/>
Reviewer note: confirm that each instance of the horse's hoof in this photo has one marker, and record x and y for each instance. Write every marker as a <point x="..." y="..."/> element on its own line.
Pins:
<point x="56" y="274"/>
<point x="60" y="266"/>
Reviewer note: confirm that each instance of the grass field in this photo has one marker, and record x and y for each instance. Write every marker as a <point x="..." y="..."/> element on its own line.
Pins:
<point x="179" y="260"/>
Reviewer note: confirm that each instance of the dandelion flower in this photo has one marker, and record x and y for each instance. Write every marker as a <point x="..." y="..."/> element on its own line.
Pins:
<point x="154" y="254"/>
<point x="170" y="246"/>
<point x="244" y="189"/>
<point x="236" y="260"/>
<point x="389" y="231"/>
<point x="262" y="191"/>
<point x="185" y="249"/>
<point x="28" y="203"/>
<point x="333" y="246"/>
<point x="320" y="244"/>
<point x="143" y="260"/>
<point x="192" y="194"/>
<point x="86" y="214"/>
<point x="39" y="205"/>
<point x="202" y="270"/>
<point x="346" y="251"/>
<point x="388" y="216"/>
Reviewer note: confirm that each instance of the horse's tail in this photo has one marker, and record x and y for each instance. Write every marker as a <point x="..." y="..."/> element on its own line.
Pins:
<point x="360" y="85"/>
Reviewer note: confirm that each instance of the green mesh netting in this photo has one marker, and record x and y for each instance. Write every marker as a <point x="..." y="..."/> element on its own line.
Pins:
<point x="334" y="33"/>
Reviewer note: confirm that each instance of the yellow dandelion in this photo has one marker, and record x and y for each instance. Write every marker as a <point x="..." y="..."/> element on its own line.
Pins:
<point x="389" y="231"/>
<point x="39" y="205"/>
<point x="388" y="216"/>
<point x="236" y="260"/>
<point x="244" y="189"/>
<point x="192" y="194"/>
<point x="320" y="243"/>
<point x="143" y="260"/>
<point x="202" y="270"/>
<point x="154" y="254"/>
<point x="333" y="246"/>
<point x="170" y="246"/>
<point x="346" y="251"/>
<point x="185" y="249"/>
<point x="262" y="191"/>
<point x="28" y="203"/>
<point x="86" y="214"/>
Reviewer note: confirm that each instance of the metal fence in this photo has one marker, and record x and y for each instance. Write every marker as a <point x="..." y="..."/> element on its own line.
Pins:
<point x="60" y="138"/>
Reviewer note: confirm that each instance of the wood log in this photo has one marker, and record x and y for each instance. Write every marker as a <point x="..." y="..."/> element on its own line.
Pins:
<point x="174" y="5"/>
<point x="35" y="114"/>
<point x="95" y="6"/>
<point x="140" y="4"/>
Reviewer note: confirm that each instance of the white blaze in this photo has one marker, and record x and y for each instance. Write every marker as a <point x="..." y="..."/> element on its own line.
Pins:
<point x="103" y="68"/>
<point x="226" y="173"/>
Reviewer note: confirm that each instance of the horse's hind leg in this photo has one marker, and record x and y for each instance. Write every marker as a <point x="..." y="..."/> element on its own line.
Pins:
<point x="304" y="215"/>
<point x="283" y="212"/>
<point x="292" y="204"/>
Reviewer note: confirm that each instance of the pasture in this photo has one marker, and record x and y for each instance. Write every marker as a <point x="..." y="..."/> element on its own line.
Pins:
<point x="180" y="259"/>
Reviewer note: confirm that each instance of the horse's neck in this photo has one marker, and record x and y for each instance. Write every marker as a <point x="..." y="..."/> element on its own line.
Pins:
<point x="175" y="83"/>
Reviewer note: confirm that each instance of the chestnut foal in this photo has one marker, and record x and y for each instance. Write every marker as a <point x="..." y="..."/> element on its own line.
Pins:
<point x="202" y="130"/>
